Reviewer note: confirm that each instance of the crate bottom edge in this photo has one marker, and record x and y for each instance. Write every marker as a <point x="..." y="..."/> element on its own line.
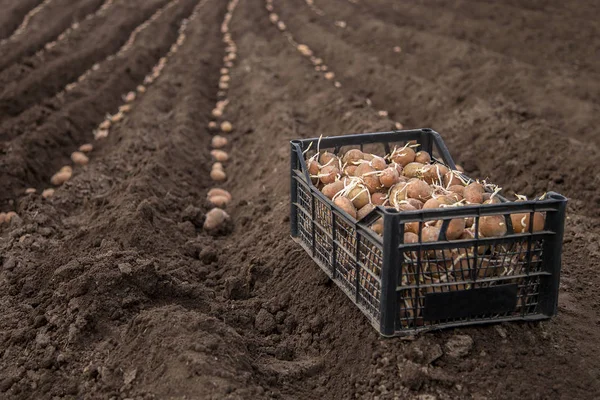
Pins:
<point x="414" y="331"/>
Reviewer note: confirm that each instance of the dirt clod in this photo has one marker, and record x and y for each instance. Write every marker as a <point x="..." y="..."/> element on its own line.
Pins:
<point x="265" y="322"/>
<point x="459" y="346"/>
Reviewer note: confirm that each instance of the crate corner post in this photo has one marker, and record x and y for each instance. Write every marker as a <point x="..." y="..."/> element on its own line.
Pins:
<point x="389" y="274"/>
<point x="294" y="146"/>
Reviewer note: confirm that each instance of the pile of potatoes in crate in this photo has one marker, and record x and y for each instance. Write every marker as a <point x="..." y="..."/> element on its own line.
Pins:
<point x="407" y="180"/>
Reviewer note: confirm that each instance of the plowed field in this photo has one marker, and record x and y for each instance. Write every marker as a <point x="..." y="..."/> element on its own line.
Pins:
<point x="111" y="288"/>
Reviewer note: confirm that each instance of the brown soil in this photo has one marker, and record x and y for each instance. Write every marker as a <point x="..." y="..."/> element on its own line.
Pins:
<point x="13" y="13"/>
<point x="111" y="289"/>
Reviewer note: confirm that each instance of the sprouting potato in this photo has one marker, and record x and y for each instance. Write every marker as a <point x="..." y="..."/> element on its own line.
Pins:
<point x="333" y="188"/>
<point x="345" y="204"/>
<point x="492" y="226"/>
<point x="30" y="190"/>
<point x="413" y="170"/>
<point x="451" y="179"/>
<point x="352" y="157"/>
<point x="398" y="193"/>
<point x="378" y="163"/>
<point x="434" y="173"/>
<point x="358" y="182"/>
<point x="328" y="174"/>
<point x="431" y="203"/>
<point x="350" y="170"/>
<point x="455" y="229"/>
<point x="327" y="158"/>
<point x="430" y="234"/>
<point x="458" y="189"/>
<point x="359" y="196"/>
<point x="364" y="168"/>
<point x="473" y="193"/>
<point x="419" y="190"/>
<point x="422" y="157"/>
<point x="405" y="206"/>
<point x="520" y="222"/>
<point x="372" y="183"/>
<point x="403" y="156"/>
<point x="417" y="204"/>
<point x="364" y="211"/>
<point x="448" y="200"/>
<point x="313" y="167"/>
<point x="389" y="177"/>
<point x="411" y="237"/>
<point x="377" y="227"/>
<point x="378" y="199"/>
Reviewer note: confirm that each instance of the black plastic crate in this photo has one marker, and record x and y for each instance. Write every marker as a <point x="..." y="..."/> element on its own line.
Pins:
<point x="407" y="288"/>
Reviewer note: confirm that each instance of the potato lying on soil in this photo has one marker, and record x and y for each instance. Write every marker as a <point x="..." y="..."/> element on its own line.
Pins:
<point x="226" y="126"/>
<point x="219" y="155"/>
<point x="86" y="148"/>
<point x="219" y="201"/>
<point x="218" y="192"/>
<point x="79" y="158"/>
<point x="218" y="174"/>
<point x="216" y="219"/>
<point x="218" y="142"/>
<point x="61" y="176"/>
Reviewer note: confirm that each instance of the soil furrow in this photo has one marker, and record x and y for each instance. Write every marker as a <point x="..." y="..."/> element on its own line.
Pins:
<point x="292" y="108"/>
<point x="58" y="48"/>
<point x="48" y="25"/>
<point x="47" y="81"/>
<point x="14" y="15"/>
<point x="34" y="155"/>
<point x="112" y="288"/>
<point x="516" y="33"/>
<point x="36" y="115"/>
<point x="125" y="165"/>
<point x="457" y="68"/>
